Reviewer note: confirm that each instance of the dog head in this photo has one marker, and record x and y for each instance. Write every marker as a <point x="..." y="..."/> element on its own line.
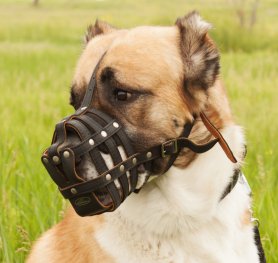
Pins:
<point x="153" y="79"/>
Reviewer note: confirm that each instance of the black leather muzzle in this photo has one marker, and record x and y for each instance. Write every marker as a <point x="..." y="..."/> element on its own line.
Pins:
<point x="92" y="160"/>
<point x="89" y="138"/>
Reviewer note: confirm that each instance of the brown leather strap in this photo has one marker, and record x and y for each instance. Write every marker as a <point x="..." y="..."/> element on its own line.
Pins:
<point x="213" y="130"/>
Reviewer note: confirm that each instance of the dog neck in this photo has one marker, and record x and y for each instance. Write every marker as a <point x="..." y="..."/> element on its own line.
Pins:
<point x="183" y="199"/>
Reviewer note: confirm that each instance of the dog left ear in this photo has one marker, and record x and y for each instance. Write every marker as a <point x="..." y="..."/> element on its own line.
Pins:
<point x="100" y="27"/>
<point x="200" y="55"/>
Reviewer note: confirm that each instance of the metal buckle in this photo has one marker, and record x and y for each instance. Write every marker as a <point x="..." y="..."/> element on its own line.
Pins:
<point x="174" y="143"/>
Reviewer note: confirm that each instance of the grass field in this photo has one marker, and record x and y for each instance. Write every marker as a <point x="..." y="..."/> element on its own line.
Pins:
<point x="38" y="50"/>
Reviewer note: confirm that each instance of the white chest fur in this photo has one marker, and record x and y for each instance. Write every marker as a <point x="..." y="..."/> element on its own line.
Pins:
<point x="178" y="218"/>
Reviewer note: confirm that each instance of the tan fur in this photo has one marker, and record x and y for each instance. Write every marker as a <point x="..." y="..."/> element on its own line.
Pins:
<point x="68" y="242"/>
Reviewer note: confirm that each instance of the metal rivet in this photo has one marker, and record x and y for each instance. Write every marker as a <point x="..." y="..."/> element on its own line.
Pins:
<point x="116" y="125"/>
<point x="73" y="191"/>
<point x="103" y="134"/>
<point x="122" y="168"/>
<point x="55" y="159"/>
<point x="66" y="154"/>
<point x="108" y="177"/>
<point x="91" y="142"/>
<point x="134" y="161"/>
<point x="149" y="154"/>
<point x="83" y="108"/>
<point x="45" y="160"/>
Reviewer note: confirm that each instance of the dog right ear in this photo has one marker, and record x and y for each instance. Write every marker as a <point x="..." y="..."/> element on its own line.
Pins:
<point x="100" y="27"/>
<point x="200" y="57"/>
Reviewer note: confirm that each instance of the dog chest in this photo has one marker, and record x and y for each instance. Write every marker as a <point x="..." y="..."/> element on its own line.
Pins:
<point x="209" y="246"/>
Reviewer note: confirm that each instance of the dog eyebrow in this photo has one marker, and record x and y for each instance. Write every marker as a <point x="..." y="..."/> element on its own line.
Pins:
<point x="108" y="75"/>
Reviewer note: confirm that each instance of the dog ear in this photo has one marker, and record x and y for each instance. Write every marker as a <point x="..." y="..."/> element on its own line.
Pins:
<point x="200" y="55"/>
<point x="100" y="27"/>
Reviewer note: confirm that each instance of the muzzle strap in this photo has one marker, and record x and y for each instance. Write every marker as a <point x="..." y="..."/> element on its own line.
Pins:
<point x="135" y="160"/>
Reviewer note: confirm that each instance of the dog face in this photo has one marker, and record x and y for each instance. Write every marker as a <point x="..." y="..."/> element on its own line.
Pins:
<point x="151" y="79"/>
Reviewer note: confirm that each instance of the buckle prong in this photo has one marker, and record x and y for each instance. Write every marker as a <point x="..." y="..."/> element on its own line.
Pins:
<point x="174" y="143"/>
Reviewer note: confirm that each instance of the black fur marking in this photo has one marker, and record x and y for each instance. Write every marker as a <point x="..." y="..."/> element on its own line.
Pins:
<point x="109" y="80"/>
<point x="259" y="245"/>
<point x="107" y="74"/>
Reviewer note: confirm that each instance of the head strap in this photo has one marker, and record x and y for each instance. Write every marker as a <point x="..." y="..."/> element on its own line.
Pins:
<point x="91" y="86"/>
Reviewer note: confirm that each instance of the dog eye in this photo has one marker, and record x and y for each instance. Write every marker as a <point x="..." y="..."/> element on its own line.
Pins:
<point x="122" y="95"/>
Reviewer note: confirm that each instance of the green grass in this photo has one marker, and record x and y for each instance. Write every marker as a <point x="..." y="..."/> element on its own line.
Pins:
<point x="38" y="51"/>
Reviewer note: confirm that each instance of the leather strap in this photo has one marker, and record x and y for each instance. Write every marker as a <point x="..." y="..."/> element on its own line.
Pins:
<point x="185" y="133"/>
<point x="213" y="130"/>
<point x="90" y="90"/>
<point x="153" y="153"/>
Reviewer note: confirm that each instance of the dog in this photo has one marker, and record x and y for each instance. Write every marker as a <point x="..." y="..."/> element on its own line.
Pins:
<point x="155" y="79"/>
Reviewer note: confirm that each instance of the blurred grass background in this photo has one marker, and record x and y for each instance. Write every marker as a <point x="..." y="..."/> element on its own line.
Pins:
<point x="39" y="47"/>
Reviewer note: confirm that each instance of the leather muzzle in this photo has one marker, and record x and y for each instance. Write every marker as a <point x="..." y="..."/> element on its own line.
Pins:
<point x="85" y="142"/>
